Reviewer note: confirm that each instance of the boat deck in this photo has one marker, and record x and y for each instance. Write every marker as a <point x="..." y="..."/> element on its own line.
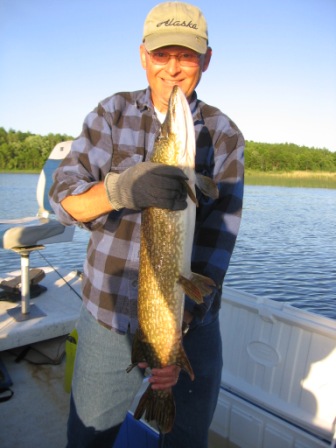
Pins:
<point x="36" y="415"/>
<point x="52" y="314"/>
<point x="277" y="379"/>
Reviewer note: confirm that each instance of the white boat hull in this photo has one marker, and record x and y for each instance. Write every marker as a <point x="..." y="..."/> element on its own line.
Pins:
<point x="278" y="380"/>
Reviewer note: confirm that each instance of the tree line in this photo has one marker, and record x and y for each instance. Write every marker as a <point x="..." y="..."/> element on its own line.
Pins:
<point x="24" y="151"/>
<point x="27" y="151"/>
<point x="268" y="157"/>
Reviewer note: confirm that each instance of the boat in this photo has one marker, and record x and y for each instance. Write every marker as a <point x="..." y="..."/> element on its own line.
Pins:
<point x="278" y="382"/>
<point x="278" y="385"/>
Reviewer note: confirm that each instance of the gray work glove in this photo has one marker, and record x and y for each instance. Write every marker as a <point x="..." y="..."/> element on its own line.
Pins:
<point x="147" y="184"/>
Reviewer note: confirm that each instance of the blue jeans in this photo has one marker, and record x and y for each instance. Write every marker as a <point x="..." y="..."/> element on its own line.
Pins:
<point x="102" y="391"/>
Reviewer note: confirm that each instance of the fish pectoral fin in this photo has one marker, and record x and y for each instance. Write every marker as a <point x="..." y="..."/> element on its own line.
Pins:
<point x="197" y="287"/>
<point x="157" y="405"/>
<point x="207" y="186"/>
<point x="203" y="283"/>
<point x="190" y="193"/>
<point x="191" y="289"/>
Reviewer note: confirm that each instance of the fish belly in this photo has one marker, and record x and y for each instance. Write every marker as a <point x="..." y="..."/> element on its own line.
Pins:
<point x="165" y="256"/>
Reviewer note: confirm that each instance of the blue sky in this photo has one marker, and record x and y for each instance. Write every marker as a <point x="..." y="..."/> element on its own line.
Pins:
<point x="273" y="69"/>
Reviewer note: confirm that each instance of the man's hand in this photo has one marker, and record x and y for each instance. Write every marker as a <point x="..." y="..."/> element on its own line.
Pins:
<point x="164" y="378"/>
<point x="147" y="184"/>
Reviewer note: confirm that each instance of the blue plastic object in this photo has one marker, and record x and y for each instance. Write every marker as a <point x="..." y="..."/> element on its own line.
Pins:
<point x="135" y="434"/>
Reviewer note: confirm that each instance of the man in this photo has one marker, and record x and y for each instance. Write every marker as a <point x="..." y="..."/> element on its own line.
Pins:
<point x="94" y="187"/>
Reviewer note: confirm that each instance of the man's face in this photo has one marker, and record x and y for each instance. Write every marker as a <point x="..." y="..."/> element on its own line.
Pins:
<point x="162" y="78"/>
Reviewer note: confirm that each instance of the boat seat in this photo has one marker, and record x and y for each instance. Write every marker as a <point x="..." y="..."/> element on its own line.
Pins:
<point x="27" y="234"/>
<point x="39" y="231"/>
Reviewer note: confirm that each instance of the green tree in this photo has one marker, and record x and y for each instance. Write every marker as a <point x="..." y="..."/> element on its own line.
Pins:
<point x="26" y="151"/>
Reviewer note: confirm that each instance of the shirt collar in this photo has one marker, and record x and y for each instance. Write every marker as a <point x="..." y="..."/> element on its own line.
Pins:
<point x="144" y="101"/>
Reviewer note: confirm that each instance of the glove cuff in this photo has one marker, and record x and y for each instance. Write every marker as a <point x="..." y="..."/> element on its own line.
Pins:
<point x="112" y="191"/>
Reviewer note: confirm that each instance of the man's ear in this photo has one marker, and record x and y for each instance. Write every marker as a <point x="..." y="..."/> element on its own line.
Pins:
<point x="207" y="58"/>
<point x="143" y="55"/>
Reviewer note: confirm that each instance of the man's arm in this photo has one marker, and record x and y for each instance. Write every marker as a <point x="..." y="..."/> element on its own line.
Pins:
<point x="89" y="205"/>
<point x="144" y="185"/>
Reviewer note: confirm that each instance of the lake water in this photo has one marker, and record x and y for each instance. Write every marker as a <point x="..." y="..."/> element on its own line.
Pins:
<point x="286" y="249"/>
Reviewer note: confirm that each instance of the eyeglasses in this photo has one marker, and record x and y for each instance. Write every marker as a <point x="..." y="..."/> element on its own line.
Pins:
<point x="185" y="58"/>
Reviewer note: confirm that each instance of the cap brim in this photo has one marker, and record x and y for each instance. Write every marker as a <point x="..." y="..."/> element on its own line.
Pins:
<point x="159" y="40"/>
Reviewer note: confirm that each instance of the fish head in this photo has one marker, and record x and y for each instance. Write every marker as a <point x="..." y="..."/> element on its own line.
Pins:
<point x="176" y="143"/>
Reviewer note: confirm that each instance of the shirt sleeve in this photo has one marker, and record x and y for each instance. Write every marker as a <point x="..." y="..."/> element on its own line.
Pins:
<point x="87" y="164"/>
<point x="218" y="221"/>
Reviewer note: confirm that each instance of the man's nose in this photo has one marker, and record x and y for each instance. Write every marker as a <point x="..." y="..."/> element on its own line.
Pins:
<point x="173" y="65"/>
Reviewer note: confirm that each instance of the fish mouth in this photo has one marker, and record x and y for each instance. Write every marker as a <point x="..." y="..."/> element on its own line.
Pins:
<point x="178" y="123"/>
<point x="177" y="111"/>
<point x="178" y="132"/>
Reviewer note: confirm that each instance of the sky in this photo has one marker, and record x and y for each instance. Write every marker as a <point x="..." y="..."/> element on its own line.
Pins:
<point x="273" y="69"/>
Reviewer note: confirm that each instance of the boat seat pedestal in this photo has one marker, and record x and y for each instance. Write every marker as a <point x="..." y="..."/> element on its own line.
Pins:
<point x="27" y="311"/>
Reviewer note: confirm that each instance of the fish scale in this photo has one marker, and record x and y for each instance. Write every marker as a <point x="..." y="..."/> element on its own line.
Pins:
<point x="164" y="269"/>
<point x="160" y="266"/>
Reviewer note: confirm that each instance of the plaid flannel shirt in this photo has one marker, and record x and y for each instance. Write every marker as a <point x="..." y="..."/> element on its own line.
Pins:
<point x="120" y="133"/>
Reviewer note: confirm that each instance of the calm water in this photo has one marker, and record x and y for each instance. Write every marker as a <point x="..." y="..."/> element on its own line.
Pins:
<point x="286" y="249"/>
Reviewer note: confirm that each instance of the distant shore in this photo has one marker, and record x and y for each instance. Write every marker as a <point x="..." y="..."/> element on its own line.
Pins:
<point x="303" y="179"/>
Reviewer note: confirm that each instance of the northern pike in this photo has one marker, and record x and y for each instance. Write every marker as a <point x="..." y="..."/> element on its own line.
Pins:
<point x="165" y="265"/>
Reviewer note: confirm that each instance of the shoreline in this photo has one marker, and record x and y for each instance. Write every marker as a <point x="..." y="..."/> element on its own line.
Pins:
<point x="298" y="179"/>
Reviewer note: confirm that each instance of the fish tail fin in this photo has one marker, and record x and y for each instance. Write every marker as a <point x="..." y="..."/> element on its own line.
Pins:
<point x="197" y="286"/>
<point x="157" y="405"/>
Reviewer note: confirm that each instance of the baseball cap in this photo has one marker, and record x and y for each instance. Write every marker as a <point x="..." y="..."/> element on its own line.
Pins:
<point x="176" y="23"/>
